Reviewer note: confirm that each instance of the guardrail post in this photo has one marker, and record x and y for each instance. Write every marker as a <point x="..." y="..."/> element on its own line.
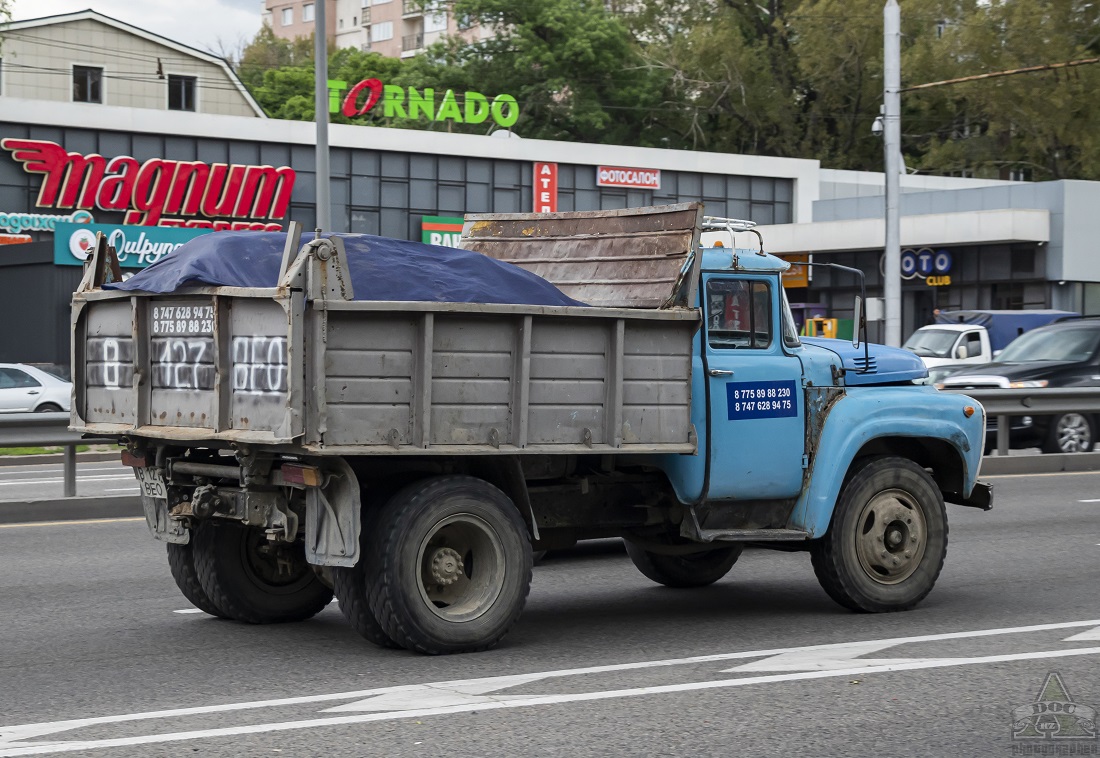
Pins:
<point x="70" y="471"/>
<point x="1002" y="434"/>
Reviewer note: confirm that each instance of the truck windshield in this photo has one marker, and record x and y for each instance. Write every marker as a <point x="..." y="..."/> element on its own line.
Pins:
<point x="931" y="342"/>
<point x="1055" y="345"/>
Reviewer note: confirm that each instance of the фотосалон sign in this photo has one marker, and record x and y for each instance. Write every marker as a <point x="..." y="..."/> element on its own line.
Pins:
<point x="158" y="191"/>
<point x="410" y="103"/>
<point x="635" y="178"/>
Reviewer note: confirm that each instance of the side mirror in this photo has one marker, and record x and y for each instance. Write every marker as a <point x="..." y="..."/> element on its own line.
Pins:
<point x="962" y="352"/>
<point x="857" y="321"/>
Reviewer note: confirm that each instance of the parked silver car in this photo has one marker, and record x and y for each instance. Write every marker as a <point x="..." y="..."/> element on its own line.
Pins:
<point x="24" y="389"/>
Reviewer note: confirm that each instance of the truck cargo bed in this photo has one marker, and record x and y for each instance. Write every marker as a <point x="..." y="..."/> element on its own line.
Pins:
<point x="269" y="366"/>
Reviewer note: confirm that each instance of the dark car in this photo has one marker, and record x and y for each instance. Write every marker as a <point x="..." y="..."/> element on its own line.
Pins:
<point x="1065" y="354"/>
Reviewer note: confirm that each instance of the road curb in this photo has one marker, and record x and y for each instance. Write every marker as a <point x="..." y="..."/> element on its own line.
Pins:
<point x="69" y="509"/>
<point x="996" y="465"/>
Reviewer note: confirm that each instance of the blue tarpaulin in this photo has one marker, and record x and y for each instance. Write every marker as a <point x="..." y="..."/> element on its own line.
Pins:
<point x="381" y="269"/>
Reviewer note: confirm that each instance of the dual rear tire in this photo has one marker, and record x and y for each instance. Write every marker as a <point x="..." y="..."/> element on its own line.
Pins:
<point x="446" y="568"/>
<point x="231" y="571"/>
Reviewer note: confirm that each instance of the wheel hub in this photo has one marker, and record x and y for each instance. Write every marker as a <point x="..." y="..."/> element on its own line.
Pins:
<point x="461" y="566"/>
<point x="1074" y="435"/>
<point x="891" y="542"/>
<point x="447" y="566"/>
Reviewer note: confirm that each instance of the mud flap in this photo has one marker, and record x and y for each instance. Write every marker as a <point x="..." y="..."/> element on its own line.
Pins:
<point x="332" y="518"/>
<point x="162" y="527"/>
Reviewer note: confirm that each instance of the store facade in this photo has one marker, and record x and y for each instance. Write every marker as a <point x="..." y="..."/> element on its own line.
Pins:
<point x="166" y="177"/>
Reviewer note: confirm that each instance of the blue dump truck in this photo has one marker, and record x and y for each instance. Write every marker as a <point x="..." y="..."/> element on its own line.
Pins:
<point x="401" y="425"/>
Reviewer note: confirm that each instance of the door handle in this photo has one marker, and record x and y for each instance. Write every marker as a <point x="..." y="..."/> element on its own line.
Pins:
<point x="32" y="392"/>
<point x="719" y="372"/>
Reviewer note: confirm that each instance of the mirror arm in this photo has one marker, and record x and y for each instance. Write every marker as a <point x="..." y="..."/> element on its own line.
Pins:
<point x="861" y="327"/>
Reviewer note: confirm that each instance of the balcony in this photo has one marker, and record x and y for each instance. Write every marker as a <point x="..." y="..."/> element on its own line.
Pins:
<point x="411" y="9"/>
<point x="364" y="20"/>
<point x="412" y="42"/>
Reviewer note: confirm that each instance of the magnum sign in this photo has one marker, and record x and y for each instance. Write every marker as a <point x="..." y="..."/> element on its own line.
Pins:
<point x="148" y="192"/>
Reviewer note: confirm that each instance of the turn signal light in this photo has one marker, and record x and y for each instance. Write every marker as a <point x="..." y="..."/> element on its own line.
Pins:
<point x="309" y="476"/>
<point x="968" y="411"/>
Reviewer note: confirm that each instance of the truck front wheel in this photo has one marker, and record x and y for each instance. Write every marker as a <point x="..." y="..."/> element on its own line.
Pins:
<point x="682" y="571"/>
<point x="253" y="580"/>
<point x="448" y="565"/>
<point x="887" y="540"/>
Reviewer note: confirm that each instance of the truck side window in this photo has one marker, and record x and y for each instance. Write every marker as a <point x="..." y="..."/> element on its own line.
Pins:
<point x="739" y="314"/>
<point x="973" y="344"/>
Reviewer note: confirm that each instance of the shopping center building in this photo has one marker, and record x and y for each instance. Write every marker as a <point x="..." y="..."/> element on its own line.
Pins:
<point x="153" y="175"/>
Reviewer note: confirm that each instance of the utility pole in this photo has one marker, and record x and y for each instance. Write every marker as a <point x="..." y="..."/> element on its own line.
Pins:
<point x="320" y="107"/>
<point x="891" y="116"/>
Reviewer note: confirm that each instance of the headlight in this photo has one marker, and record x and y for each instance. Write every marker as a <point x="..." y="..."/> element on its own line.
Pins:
<point x="1028" y="384"/>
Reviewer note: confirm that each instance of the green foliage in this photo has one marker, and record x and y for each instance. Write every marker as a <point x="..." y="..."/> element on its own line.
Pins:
<point x="793" y="78"/>
<point x="1041" y="124"/>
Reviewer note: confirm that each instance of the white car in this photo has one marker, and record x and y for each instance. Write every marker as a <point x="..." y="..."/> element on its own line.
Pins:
<point x="24" y="389"/>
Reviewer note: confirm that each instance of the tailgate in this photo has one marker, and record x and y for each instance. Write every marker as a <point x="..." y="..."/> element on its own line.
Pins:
<point x="187" y="366"/>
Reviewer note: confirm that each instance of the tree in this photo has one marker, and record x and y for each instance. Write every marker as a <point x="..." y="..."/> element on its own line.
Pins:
<point x="267" y="52"/>
<point x="1038" y="125"/>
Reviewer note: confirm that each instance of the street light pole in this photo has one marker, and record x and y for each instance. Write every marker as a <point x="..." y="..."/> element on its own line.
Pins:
<point x="320" y="107"/>
<point x="891" y="17"/>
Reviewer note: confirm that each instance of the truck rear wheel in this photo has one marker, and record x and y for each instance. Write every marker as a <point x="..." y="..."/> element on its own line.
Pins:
<point x="181" y="561"/>
<point x="682" y="571"/>
<point x="253" y="580"/>
<point x="449" y="565"/>
<point x="352" y="588"/>
<point x="887" y="540"/>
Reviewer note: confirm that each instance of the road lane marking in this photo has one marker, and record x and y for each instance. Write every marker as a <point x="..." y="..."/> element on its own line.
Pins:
<point x="59" y="480"/>
<point x="189" y="610"/>
<point x="1097" y="500"/>
<point x="5" y="471"/>
<point x="75" y="522"/>
<point x="469" y="694"/>
<point x="11" y="738"/>
<point x="1092" y="635"/>
<point x="1052" y="473"/>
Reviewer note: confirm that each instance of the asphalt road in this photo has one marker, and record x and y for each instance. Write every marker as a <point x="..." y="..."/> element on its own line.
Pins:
<point x="46" y="480"/>
<point x="95" y="651"/>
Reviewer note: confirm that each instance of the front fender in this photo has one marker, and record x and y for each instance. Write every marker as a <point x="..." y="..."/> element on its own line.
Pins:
<point x="865" y="414"/>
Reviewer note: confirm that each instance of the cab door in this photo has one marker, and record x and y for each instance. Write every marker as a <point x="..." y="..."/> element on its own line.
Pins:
<point x="757" y="419"/>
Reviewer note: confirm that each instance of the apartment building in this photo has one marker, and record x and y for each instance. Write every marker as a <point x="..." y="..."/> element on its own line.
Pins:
<point x="88" y="58"/>
<point x="394" y="28"/>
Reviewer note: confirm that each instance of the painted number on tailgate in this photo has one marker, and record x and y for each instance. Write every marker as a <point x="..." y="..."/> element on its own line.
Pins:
<point x="749" y="400"/>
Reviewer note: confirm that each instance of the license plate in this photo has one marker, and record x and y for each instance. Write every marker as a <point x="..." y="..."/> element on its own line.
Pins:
<point x="151" y="482"/>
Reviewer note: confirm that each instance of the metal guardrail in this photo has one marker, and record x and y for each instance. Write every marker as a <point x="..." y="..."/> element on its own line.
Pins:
<point x="51" y="429"/>
<point x="1002" y="404"/>
<point x="46" y="430"/>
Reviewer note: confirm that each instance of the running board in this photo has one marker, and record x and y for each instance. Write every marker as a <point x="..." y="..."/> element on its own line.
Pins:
<point x="752" y="535"/>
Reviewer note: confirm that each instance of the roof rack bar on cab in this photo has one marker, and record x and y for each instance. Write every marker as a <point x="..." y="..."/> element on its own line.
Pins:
<point x="732" y="225"/>
<point x="722" y="224"/>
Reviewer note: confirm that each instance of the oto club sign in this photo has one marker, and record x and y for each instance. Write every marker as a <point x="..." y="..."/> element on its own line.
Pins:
<point x="158" y="192"/>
